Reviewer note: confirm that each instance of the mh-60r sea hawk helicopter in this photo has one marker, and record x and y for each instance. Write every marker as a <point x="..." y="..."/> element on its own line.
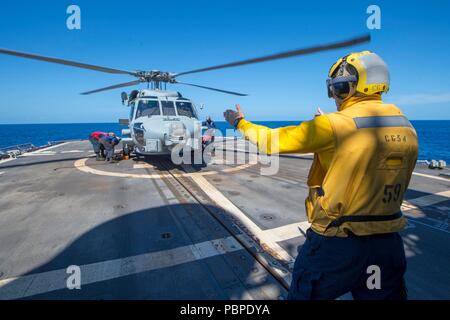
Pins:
<point x="159" y="121"/>
<point x="162" y="120"/>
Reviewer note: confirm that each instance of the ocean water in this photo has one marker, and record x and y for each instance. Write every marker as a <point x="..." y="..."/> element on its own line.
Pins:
<point x="434" y="135"/>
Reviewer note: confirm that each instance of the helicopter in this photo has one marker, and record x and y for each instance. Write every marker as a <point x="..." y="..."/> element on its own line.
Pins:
<point x="161" y="120"/>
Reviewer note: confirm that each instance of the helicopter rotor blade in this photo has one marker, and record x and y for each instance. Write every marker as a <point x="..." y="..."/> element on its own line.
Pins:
<point x="214" y="89"/>
<point x="121" y="85"/>
<point x="287" y="54"/>
<point x="65" y="62"/>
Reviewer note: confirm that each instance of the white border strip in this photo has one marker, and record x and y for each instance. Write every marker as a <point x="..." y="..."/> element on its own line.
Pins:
<point x="430" y="176"/>
<point x="33" y="284"/>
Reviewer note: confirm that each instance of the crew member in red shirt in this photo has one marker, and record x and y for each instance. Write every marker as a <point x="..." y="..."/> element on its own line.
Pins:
<point x="99" y="149"/>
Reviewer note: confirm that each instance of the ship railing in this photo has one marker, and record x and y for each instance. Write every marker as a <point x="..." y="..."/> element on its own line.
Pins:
<point x="16" y="150"/>
<point x="19" y="149"/>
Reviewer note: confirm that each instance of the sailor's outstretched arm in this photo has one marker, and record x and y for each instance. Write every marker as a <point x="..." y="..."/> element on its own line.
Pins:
<point x="310" y="136"/>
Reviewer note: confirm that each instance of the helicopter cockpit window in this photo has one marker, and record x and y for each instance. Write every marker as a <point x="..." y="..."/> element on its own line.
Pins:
<point x="168" y="108"/>
<point x="147" y="108"/>
<point x="185" y="109"/>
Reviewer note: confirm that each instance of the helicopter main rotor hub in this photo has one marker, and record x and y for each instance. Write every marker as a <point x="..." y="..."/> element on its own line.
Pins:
<point x="156" y="76"/>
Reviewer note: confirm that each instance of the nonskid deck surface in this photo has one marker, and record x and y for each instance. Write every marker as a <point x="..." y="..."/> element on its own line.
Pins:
<point x="147" y="229"/>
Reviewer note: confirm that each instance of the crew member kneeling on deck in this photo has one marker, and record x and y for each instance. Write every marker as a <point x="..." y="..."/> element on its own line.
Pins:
<point x="99" y="150"/>
<point x="109" y="142"/>
<point x="364" y="155"/>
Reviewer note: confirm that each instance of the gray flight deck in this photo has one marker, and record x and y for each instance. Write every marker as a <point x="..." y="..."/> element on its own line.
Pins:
<point x="148" y="229"/>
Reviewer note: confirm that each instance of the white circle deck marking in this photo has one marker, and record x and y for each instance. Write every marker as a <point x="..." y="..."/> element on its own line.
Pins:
<point x="82" y="166"/>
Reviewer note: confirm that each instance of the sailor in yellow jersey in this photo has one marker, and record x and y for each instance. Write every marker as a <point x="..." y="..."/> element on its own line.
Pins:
<point x="364" y="155"/>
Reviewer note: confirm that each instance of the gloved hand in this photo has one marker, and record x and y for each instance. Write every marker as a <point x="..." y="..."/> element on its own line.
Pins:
<point x="319" y="112"/>
<point x="233" y="117"/>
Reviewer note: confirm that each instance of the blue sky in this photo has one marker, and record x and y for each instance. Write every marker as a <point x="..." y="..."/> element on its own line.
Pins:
<point x="183" y="35"/>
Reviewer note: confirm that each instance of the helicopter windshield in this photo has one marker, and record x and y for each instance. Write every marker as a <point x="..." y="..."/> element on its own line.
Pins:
<point x="147" y="108"/>
<point x="168" y="108"/>
<point x="185" y="109"/>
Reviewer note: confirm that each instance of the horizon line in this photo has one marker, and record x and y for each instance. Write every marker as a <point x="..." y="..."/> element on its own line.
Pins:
<point x="42" y="123"/>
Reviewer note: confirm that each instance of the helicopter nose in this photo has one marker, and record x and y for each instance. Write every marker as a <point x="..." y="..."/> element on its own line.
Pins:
<point x="177" y="129"/>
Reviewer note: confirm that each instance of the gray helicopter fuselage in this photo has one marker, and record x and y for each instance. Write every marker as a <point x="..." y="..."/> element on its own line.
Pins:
<point x="160" y="121"/>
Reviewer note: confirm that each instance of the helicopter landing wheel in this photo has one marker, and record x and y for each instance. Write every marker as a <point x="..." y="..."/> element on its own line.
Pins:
<point x="126" y="151"/>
